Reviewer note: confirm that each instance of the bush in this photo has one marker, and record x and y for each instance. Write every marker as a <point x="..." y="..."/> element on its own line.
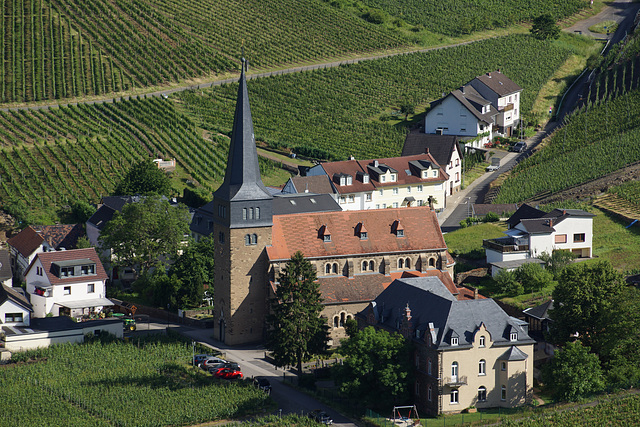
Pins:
<point x="508" y="284"/>
<point x="533" y="277"/>
<point x="491" y="217"/>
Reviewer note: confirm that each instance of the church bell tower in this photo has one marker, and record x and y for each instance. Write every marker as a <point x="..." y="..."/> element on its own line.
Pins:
<point x="242" y="229"/>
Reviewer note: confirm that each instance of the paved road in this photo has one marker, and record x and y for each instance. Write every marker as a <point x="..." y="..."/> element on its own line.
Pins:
<point x="252" y="362"/>
<point x="617" y="11"/>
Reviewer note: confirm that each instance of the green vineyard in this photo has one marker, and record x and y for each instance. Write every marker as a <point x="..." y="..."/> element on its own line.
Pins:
<point x="453" y="17"/>
<point x="52" y="157"/>
<point x="333" y="113"/>
<point x="121" y="384"/>
<point x="594" y="142"/>
<point x="55" y="49"/>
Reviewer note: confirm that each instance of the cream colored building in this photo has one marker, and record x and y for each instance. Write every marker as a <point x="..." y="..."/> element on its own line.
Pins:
<point x="469" y="352"/>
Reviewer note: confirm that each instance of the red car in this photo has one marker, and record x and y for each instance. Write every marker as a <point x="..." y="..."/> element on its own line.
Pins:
<point x="228" y="373"/>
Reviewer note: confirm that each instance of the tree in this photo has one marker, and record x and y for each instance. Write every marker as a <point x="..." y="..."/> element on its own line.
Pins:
<point x="83" y="243"/>
<point x="545" y="27"/>
<point x="145" y="231"/>
<point x="584" y="299"/>
<point x="82" y="211"/>
<point x="406" y="109"/>
<point x="557" y="261"/>
<point x="533" y="277"/>
<point x="573" y="373"/>
<point x="144" y="178"/>
<point x="296" y="329"/>
<point x="376" y="368"/>
<point x="508" y="284"/>
<point x="194" y="267"/>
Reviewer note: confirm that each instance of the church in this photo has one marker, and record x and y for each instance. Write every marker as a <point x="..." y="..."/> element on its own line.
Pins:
<point x="356" y="254"/>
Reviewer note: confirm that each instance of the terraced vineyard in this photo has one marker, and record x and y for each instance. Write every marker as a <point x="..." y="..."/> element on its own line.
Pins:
<point x="453" y="17"/>
<point x="619" y="205"/>
<point x="64" y="48"/>
<point x="52" y="157"/>
<point x="121" y="384"/>
<point x="594" y="142"/>
<point x="333" y="113"/>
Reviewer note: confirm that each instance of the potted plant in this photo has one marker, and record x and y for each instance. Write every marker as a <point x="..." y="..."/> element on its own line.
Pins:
<point x="472" y="409"/>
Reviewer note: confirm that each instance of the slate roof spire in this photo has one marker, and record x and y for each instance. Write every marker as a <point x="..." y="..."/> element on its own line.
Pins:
<point x="242" y="178"/>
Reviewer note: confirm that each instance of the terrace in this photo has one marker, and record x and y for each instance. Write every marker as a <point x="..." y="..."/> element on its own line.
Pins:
<point x="506" y="244"/>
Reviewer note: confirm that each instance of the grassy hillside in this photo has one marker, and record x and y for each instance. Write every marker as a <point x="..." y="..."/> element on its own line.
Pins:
<point x="594" y="142"/>
<point x="454" y="17"/>
<point x="334" y="113"/>
<point x="55" y="49"/>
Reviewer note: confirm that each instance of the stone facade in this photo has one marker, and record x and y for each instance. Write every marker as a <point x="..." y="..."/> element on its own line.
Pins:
<point x="241" y="301"/>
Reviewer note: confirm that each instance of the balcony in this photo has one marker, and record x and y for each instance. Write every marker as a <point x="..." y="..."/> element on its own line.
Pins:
<point x="457" y="381"/>
<point x="506" y="244"/>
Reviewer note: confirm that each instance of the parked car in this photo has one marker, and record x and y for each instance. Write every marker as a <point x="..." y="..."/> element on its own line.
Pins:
<point x="214" y="368"/>
<point x="519" y="147"/>
<point x="198" y="358"/>
<point x="263" y="384"/>
<point x="210" y="361"/>
<point x="228" y="373"/>
<point x="321" y="417"/>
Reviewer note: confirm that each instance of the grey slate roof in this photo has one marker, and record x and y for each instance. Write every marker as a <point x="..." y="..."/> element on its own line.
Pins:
<point x="541" y="311"/>
<point x="102" y="216"/>
<point x="433" y="306"/>
<point x="284" y="204"/>
<point x="5" y="265"/>
<point x="8" y="293"/>
<point x="242" y="177"/>
<point x="200" y="221"/>
<point x="473" y="102"/>
<point x="525" y="211"/>
<point x="318" y="184"/>
<point x="513" y="354"/>
<point x="499" y="83"/>
<point x="441" y="147"/>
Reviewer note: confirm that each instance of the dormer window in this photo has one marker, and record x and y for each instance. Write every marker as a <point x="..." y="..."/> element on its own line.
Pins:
<point x="393" y="177"/>
<point x="363" y="235"/>
<point x="425" y="174"/>
<point x="383" y="178"/>
<point x="400" y="233"/>
<point x="513" y="336"/>
<point x="397" y="228"/>
<point x="454" y="340"/>
<point x="361" y="231"/>
<point x="343" y="180"/>
<point x="365" y="178"/>
<point x="326" y="238"/>
<point x="349" y="180"/>
<point x="88" y="269"/>
<point x="435" y="174"/>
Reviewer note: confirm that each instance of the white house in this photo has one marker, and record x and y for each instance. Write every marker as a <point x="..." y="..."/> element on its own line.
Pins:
<point x="445" y="149"/>
<point x="533" y="232"/>
<point x="385" y="183"/>
<point x="70" y="283"/>
<point x="488" y="104"/>
<point x="15" y="309"/>
<point x="504" y="96"/>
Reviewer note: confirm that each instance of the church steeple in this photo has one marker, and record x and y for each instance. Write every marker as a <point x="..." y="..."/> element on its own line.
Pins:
<point x="242" y="183"/>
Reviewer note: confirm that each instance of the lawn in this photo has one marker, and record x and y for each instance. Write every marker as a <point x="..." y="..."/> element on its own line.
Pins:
<point x="467" y="242"/>
<point x="615" y="243"/>
<point x="147" y="383"/>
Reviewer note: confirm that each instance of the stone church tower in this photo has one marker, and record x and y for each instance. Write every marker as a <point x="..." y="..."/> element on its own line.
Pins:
<point x="242" y="228"/>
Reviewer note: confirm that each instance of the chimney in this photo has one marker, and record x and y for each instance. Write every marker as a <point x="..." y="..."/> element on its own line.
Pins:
<point x="407" y="312"/>
<point x="427" y="150"/>
<point x="351" y="158"/>
<point x="462" y="89"/>
<point x="564" y="212"/>
<point x="306" y="187"/>
<point x="375" y="163"/>
<point x="489" y="75"/>
<point x="551" y="223"/>
<point x="475" y="293"/>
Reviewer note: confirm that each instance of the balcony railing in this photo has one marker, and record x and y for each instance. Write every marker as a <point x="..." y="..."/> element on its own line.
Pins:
<point x="455" y="381"/>
<point x="503" y="246"/>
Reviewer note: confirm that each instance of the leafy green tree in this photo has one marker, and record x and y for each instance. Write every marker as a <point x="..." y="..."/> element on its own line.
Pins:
<point x="407" y="108"/>
<point x="507" y="283"/>
<point x="377" y="368"/>
<point x="83" y="243"/>
<point x="296" y="329"/>
<point x="545" y="27"/>
<point x="584" y="299"/>
<point x="194" y="267"/>
<point x="573" y="373"/>
<point x="144" y="178"/>
<point x="144" y="232"/>
<point x="557" y="261"/>
<point x="81" y="211"/>
<point x="533" y="277"/>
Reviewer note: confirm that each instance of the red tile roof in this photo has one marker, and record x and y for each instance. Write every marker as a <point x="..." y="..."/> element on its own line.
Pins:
<point x="26" y="241"/>
<point x="48" y="258"/>
<point x="62" y="235"/>
<point x="400" y="164"/>
<point x="292" y="233"/>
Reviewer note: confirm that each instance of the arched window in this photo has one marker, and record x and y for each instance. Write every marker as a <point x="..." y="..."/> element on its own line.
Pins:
<point x="327" y="269"/>
<point x="400" y="263"/>
<point x="429" y="366"/>
<point x="336" y="321"/>
<point x="407" y="263"/>
<point x="503" y="393"/>
<point x="482" y="341"/>
<point x="334" y="268"/>
<point x="371" y="265"/>
<point x="429" y="393"/>
<point x="342" y="319"/>
<point x="432" y="262"/>
<point x="365" y="264"/>
<point x="482" y="367"/>
<point x="257" y="213"/>
<point x="247" y="240"/>
<point x="349" y="317"/>
<point x="254" y="239"/>
<point x="454" y="372"/>
<point x="250" y="213"/>
<point x="482" y="394"/>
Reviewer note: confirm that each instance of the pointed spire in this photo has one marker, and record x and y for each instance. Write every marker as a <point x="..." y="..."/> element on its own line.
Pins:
<point x="242" y="178"/>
